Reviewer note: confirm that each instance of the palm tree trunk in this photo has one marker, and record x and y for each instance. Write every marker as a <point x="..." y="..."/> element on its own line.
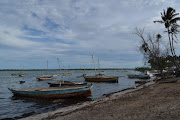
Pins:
<point x="172" y="38"/>
<point x="171" y="48"/>
<point x="170" y="43"/>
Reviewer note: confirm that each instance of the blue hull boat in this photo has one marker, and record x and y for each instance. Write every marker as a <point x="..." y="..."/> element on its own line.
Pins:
<point x="54" y="92"/>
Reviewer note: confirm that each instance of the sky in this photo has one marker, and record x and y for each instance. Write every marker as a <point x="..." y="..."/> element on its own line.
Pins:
<point x="33" y="32"/>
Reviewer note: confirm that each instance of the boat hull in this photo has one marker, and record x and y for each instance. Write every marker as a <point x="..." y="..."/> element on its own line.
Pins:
<point x="45" y="78"/>
<point x="172" y="81"/>
<point x="140" y="82"/>
<point x="18" y="74"/>
<point x="111" y="80"/>
<point x="21" y="75"/>
<point x="65" y="83"/>
<point x="138" y="76"/>
<point x="55" y="75"/>
<point x="55" y="92"/>
<point x="21" y="82"/>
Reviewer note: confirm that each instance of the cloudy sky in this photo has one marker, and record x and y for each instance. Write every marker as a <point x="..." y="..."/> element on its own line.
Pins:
<point x="34" y="31"/>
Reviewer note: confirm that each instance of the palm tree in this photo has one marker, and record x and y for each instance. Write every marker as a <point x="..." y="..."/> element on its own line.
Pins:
<point x="173" y="32"/>
<point x="169" y="19"/>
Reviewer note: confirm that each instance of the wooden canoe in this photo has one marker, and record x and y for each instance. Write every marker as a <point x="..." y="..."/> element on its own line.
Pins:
<point x="139" y="76"/>
<point x="45" y="78"/>
<point x="140" y="82"/>
<point x="65" y="83"/>
<point x="53" y="92"/>
<point x="171" y="81"/>
<point x="99" y="79"/>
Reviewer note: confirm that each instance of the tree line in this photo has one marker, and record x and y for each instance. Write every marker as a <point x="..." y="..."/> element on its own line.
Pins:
<point x="158" y="53"/>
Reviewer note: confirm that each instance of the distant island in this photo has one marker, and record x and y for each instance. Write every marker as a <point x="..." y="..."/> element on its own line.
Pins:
<point x="65" y="69"/>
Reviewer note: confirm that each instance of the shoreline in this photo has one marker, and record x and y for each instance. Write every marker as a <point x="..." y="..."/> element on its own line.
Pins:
<point x="66" y="69"/>
<point x="80" y="106"/>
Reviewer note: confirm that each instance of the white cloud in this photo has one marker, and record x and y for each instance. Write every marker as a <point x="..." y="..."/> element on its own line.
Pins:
<point x="34" y="29"/>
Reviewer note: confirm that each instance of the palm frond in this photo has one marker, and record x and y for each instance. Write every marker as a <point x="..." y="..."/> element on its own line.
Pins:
<point x="163" y="16"/>
<point x="175" y="20"/>
<point x="173" y="15"/>
<point x="170" y="12"/>
<point x="159" y="21"/>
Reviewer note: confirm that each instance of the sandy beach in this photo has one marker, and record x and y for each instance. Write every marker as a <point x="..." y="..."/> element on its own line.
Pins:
<point x="152" y="101"/>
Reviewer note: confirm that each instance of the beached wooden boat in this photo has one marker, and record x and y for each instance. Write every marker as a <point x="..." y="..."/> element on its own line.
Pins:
<point x="65" y="83"/>
<point x="101" y="78"/>
<point x="140" y="82"/>
<point x="54" y="92"/>
<point x="139" y="76"/>
<point x="171" y="81"/>
<point x="142" y="75"/>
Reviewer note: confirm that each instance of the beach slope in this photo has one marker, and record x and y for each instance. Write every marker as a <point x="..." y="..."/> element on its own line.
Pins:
<point x="150" y="102"/>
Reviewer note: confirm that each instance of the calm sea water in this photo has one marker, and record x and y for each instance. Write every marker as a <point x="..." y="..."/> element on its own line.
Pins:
<point x="14" y="107"/>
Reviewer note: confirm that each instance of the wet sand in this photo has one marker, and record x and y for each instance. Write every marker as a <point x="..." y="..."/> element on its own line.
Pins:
<point x="151" y="101"/>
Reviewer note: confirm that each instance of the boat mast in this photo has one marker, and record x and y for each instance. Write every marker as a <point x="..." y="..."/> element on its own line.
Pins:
<point x="60" y="70"/>
<point x="47" y="68"/>
<point x="59" y="64"/>
<point x="94" y="64"/>
<point x="84" y="70"/>
<point x="98" y="66"/>
<point x="22" y="72"/>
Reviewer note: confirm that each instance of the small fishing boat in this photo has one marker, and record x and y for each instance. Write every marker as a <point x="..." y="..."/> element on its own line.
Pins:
<point x="171" y="81"/>
<point x="140" y="82"/>
<point x="18" y="74"/>
<point x="142" y="75"/>
<point x="101" y="78"/>
<point x="45" y="77"/>
<point x="139" y="76"/>
<point x="21" y="75"/>
<point x="54" y="92"/>
<point x="55" y="75"/>
<point x="42" y="78"/>
<point x="65" y="83"/>
<point x="21" y="82"/>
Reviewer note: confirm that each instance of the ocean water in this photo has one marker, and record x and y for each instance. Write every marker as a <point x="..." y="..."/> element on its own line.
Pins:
<point x="17" y="107"/>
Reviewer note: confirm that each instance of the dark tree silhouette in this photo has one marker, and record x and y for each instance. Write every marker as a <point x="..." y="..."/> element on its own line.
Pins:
<point x="153" y="49"/>
<point x="169" y="19"/>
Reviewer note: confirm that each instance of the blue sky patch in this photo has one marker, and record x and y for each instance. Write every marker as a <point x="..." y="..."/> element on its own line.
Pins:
<point x="32" y="31"/>
<point x="34" y="15"/>
<point x="50" y="25"/>
<point x="49" y="40"/>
